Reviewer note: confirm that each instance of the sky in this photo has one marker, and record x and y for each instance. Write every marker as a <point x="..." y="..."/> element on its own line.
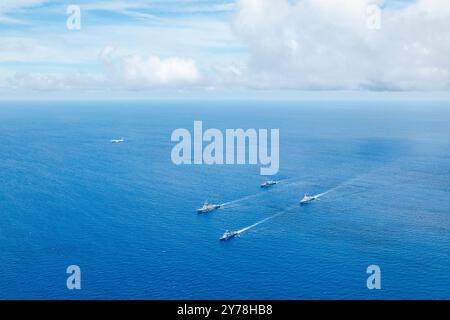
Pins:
<point x="222" y="48"/>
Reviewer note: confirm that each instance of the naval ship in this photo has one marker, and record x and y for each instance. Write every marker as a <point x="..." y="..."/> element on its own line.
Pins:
<point x="207" y="207"/>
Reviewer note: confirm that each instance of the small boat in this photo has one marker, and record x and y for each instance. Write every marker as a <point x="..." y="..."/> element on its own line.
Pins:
<point x="306" y="199"/>
<point x="207" y="207"/>
<point x="268" y="183"/>
<point x="228" y="235"/>
<point x="117" y="140"/>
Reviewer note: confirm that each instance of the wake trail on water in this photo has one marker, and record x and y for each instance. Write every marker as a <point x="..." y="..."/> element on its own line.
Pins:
<point x="282" y="212"/>
<point x="317" y="196"/>
<point x="295" y="181"/>
<point x="346" y="183"/>
<point x="265" y="220"/>
<point x="227" y="204"/>
<point x="258" y="223"/>
<point x="295" y="206"/>
<point x="283" y="182"/>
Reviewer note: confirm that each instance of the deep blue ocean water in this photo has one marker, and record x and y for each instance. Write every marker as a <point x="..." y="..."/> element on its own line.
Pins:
<point x="126" y="214"/>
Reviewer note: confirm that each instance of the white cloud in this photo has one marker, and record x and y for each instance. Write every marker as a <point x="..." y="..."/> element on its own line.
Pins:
<point x="23" y="49"/>
<point x="269" y="44"/>
<point x="324" y="44"/>
<point x="187" y="6"/>
<point x="8" y="6"/>
<point x="137" y="71"/>
<point x="52" y="82"/>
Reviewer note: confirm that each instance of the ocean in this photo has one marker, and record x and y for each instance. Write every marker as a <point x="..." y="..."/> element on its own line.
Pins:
<point x="126" y="215"/>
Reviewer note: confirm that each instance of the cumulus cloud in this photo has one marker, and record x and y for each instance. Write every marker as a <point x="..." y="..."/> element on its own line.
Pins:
<point x="123" y="72"/>
<point x="138" y="71"/>
<point x="324" y="44"/>
<point x="272" y="44"/>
